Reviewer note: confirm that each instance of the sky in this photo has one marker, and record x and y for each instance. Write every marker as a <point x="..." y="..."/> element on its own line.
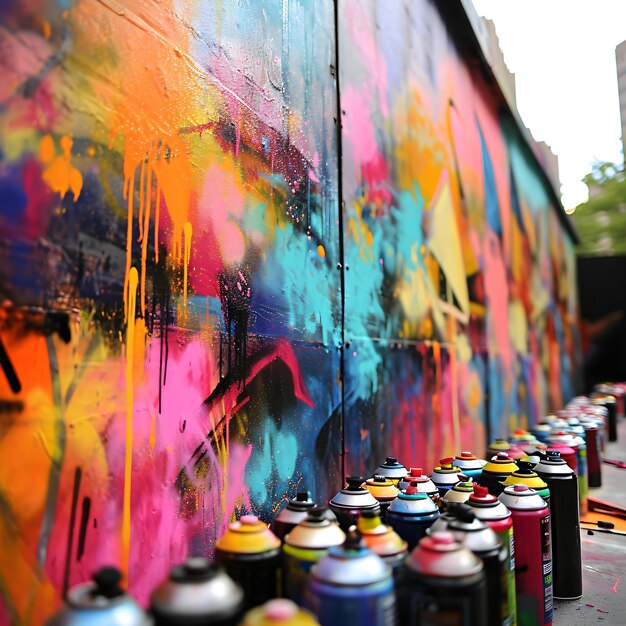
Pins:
<point x="563" y="55"/>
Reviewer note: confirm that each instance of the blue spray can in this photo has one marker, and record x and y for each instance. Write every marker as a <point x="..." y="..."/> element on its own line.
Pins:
<point x="352" y="585"/>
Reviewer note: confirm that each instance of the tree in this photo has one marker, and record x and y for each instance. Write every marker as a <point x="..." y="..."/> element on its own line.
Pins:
<point x="601" y="221"/>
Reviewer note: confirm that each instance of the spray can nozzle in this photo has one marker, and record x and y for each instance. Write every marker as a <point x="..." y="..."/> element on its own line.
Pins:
<point x="464" y="513"/>
<point x="416" y="472"/>
<point x="354" y="540"/>
<point x="354" y="483"/>
<point x="480" y="491"/>
<point x="107" y="581"/>
<point x="553" y="455"/>
<point x="317" y="514"/>
<point x="391" y="460"/>
<point x="302" y="496"/>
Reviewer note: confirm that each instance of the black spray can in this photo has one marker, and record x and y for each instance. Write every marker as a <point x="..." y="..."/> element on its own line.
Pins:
<point x="295" y="512"/>
<point x="565" y="522"/>
<point x="475" y="535"/>
<point x="610" y="404"/>
<point x="250" y="554"/>
<point x="351" y="501"/>
<point x="497" y="469"/>
<point x="444" y="579"/>
<point x="197" y="593"/>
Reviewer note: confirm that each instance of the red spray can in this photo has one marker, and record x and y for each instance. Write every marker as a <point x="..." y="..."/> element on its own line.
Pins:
<point x="533" y="553"/>
<point x="490" y="510"/>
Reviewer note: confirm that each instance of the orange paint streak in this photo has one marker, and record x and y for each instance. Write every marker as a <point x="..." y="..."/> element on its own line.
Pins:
<point x="129" y="190"/>
<point x="146" y="237"/>
<point x="142" y="180"/>
<point x="187" y="229"/>
<point x="133" y="280"/>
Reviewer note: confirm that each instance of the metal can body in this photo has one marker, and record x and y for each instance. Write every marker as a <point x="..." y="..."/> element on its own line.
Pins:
<point x="352" y="585"/>
<point x="609" y="403"/>
<point x="478" y="537"/>
<point x="372" y="605"/>
<point x="411" y="514"/>
<point x="445" y="588"/>
<point x="565" y="523"/>
<point x="304" y="546"/>
<point x="251" y="556"/>
<point x="490" y="510"/>
<point x="351" y="501"/>
<point x="533" y="557"/>
<point x="594" y="468"/>
<point x="197" y="593"/>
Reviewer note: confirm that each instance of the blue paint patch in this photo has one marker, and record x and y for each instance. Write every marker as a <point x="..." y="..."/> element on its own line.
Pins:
<point x="491" y="193"/>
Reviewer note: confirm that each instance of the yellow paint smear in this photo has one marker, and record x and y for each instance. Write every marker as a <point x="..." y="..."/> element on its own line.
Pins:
<point x="133" y="281"/>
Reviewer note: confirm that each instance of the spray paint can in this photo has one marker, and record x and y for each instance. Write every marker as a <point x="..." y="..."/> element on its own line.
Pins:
<point x="497" y="446"/>
<point x="610" y="404"/>
<point x="279" y="612"/>
<point x="525" y="475"/>
<point x="101" y="602"/>
<point x="499" y="468"/>
<point x="521" y="437"/>
<point x="476" y="535"/>
<point x="197" y="593"/>
<point x="490" y="510"/>
<point x="351" y="501"/>
<point x="411" y="513"/>
<point x="423" y="484"/>
<point x="295" y="512"/>
<point x="444" y="581"/>
<point x="566" y="445"/>
<point x="535" y="453"/>
<point x="531" y="525"/>
<point x="352" y="585"/>
<point x="304" y="546"/>
<point x="592" y="439"/>
<point x="470" y="465"/>
<point x="250" y="554"/>
<point x="383" y="490"/>
<point x="460" y="492"/>
<point x="446" y="475"/>
<point x="392" y="470"/>
<point x="383" y="540"/>
<point x="566" y="548"/>
<point x="541" y="431"/>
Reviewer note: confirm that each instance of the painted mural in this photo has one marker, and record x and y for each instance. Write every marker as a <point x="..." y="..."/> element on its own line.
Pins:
<point x="171" y="304"/>
<point x="460" y="297"/>
<point x="191" y="328"/>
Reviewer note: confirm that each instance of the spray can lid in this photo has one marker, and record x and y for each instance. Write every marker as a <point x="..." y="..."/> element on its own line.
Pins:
<point x="501" y="463"/>
<point x="354" y="495"/>
<point x="413" y="502"/>
<point x="521" y="497"/>
<point x="486" y="506"/>
<point x="352" y="564"/>
<point x="197" y="589"/>
<point x="316" y="532"/>
<point x="553" y="466"/>
<point x="378" y="537"/>
<point x="102" y="594"/>
<point x="279" y="611"/>
<point x="381" y="488"/>
<point x="441" y="556"/>
<point x="248" y="536"/>
<point x="391" y="469"/>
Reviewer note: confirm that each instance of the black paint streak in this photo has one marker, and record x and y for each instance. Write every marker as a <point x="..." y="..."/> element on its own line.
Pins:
<point x="70" y="531"/>
<point x="82" y="534"/>
<point x="235" y="295"/>
<point x="9" y="370"/>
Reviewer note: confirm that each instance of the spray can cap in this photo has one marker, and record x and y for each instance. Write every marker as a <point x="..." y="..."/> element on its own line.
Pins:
<point x="553" y="456"/>
<point x="416" y="472"/>
<point x="446" y="463"/>
<point x="107" y="581"/>
<point x="354" y="483"/>
<point x="280" y="610"/>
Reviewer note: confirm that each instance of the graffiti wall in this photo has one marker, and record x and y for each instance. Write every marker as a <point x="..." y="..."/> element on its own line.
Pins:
<point x="191" y="327"/>
<point x="170" y="298"/>
<point x="460" y="280"/>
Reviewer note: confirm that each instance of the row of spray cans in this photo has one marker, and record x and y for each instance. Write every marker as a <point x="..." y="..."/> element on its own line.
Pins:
<point x="382" y="550"/>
